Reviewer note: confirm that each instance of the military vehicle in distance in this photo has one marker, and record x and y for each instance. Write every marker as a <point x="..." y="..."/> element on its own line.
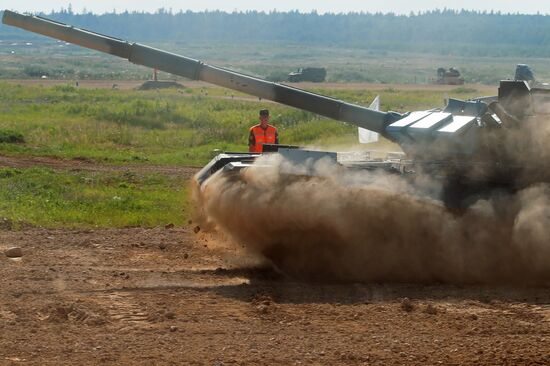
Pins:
<point x="313" y="74"/>
<point x="159" y="84"/>
<point x="473" y="146"/>
<point x="524" y="72"/>
<point x="449" y="77"/>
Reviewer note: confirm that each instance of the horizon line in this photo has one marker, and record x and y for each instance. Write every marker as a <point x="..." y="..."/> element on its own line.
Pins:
<point x="171" y="11"/>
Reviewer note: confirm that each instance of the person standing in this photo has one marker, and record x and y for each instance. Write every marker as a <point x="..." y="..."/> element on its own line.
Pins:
<point x="262" y="133"/>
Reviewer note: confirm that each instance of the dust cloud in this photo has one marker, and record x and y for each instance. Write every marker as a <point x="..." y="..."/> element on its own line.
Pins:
<point x="341" y="225"/>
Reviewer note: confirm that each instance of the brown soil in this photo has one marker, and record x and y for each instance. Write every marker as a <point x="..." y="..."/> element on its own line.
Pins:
<point x="133" y="84"/>
<point x="92" y="84"/>
<point x="84" y="164"/>
<point x="170" y="296"/>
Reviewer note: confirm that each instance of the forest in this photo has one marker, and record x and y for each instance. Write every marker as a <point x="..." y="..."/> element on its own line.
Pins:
<point x="444" y="32"/>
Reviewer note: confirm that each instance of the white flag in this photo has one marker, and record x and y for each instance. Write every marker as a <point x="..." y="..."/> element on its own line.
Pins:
<point x="366" y="136"/>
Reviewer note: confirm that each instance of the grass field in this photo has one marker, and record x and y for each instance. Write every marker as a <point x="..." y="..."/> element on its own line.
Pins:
<point x="141" y="128"/>
<point x="43" y="197"/>
<point x="170" y="126"/>
<point x="46" y="57"/>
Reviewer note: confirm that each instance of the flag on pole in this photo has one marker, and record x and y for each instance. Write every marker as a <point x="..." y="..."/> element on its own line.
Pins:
<point x="366" y="136"/>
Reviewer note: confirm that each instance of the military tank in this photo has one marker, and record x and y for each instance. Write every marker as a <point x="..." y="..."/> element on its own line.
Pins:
<point x="449" y="77"/>
<point x="313" y="74"/>
<point x="524" y="72"/>
<point x="473" y="146"/>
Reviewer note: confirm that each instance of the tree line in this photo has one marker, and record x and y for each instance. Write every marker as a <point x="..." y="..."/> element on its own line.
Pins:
<point x="439" y="31"/>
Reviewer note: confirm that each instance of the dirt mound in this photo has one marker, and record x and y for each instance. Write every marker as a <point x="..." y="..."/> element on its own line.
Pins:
<point x="152" y="84"/>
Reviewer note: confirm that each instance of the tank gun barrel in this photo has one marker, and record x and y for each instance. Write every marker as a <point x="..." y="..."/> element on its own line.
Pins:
<point x="197" y="70"/>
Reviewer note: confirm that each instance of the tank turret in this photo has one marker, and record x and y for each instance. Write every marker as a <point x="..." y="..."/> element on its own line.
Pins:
<point x="313" y="74"/>
<point x="524" y="72"/>
<point x="449" y="77"/>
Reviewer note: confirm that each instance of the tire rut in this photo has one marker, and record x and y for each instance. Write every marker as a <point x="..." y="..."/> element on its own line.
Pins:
<point x="122" y="308"/>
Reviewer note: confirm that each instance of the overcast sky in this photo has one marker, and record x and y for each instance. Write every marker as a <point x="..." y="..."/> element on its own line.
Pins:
<point x="396" y="6"/>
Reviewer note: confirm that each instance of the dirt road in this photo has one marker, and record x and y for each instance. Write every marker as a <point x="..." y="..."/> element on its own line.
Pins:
<point x="170" y="296"/>
<point x="185" y="172"/>
<point x="134" y="84"/>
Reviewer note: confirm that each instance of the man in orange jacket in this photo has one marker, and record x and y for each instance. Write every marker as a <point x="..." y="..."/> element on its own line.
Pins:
<point x="262" y="133"/>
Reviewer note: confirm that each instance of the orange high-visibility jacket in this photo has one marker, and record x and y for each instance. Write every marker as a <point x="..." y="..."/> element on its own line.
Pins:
<point x="259" y="136"/>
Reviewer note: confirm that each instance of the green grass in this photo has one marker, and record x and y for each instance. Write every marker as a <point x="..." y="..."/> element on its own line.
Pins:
<point x="169" y="126"/>
<point x="11" y="137"/>
<point x="184" y="127"/>
<point x="119" y="127"/>
<point x="42" y="197"/>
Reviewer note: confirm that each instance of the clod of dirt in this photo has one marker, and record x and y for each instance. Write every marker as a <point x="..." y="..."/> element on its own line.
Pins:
<point x="431" y="310"/>
<point x="95" y="320"/>
<point x="169" y="226"/>
<point x="196" y="229"/>
<point x="14" y="252"/>
<point x="262" y="302"/>
<point x="407" y="305"/>
<point x="262" y="308"/>
<point x="6" y="224"/>
<point x="159" y="84"/>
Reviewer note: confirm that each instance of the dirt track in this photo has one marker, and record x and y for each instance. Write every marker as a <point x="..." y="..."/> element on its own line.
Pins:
<point x="169" y="296"/>
<point x="185" y="172"/>
<point x="131" y="84"/>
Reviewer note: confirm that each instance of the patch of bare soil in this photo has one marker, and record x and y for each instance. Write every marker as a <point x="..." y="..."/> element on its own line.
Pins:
<point x="84" y="164"/>
<point x="134" y="84"/>
<point x="169" y="296"/>
<point x="90" y="84"/>
<point x="98" y="84"/>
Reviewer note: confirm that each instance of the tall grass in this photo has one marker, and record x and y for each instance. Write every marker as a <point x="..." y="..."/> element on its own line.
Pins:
<point x="169" y="126"/>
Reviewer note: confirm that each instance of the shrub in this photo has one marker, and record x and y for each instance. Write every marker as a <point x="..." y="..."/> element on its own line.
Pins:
<point x="36" y="71"/>
<point x="11" y="137"/>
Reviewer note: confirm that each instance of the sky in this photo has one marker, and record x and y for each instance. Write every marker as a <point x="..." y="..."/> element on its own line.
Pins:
<point x="322" y="6"/>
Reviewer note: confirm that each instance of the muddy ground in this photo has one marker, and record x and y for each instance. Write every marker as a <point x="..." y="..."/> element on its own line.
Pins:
<point x="170" y="296"/>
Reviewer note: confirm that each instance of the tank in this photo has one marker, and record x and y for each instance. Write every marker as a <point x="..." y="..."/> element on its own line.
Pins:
<point x="449" y="77"/>
<point x="313" y="74"/>
<point x="524" y="72"/>
<point x="473" y="146"/>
